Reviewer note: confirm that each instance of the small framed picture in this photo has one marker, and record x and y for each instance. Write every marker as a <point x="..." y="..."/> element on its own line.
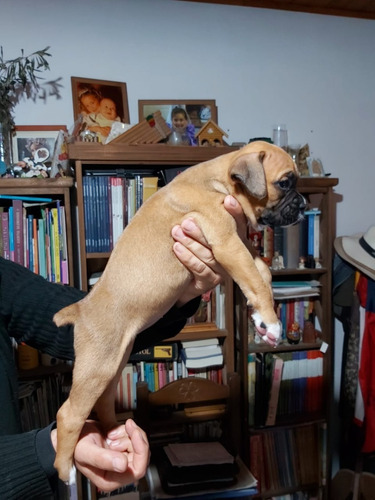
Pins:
<point x="36" y="142"/>
<point x="90" y="96"/>
<point x="315" y="167"/>
<point x="199" y="111"/>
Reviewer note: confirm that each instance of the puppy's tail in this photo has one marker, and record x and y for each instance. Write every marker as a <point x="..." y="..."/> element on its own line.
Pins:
<point x="67" y="315"/>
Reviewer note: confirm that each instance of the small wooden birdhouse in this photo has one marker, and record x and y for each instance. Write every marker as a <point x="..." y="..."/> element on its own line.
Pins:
<point x="210" y="135"/>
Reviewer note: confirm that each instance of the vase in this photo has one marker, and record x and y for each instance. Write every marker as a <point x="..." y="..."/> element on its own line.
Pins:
<point x="6" y="152"/>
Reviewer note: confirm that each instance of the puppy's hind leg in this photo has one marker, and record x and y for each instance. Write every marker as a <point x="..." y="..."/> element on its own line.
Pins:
<point x="105" y="406"/>
<point x="90" y="380"/>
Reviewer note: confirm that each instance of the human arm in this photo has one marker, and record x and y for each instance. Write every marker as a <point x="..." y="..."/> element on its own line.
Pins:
<point x="26" y="460"/>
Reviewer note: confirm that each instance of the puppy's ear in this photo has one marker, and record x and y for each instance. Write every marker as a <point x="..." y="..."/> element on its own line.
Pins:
<point x="248" y="170"/>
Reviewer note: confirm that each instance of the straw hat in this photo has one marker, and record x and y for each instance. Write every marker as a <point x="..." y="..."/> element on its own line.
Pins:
<point x="359" y="250"/>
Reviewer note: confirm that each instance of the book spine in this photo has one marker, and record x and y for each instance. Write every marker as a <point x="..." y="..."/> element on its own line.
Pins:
<point x="5" y="234"/>
<point x="18" y="231"/>
<point x="275" y="390"/>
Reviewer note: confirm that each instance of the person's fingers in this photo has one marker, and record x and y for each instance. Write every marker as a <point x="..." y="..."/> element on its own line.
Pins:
<point x="130" y="426"/>
<point x="141" y="455"/>
<point x="92" y="454"/>
<point x="207" y="272"/>
<point x="190" y="228"/>
<point x="235" y="209"/>
<point x="194" y="243"/>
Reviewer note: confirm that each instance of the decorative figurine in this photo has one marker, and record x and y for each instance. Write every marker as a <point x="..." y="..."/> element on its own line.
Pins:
<point x="277" y="262"/>
<point x="294" y="333"/>
<point x="318" y="265"/>
<point x="211" y="135"/>
<point x="301" y="263"/>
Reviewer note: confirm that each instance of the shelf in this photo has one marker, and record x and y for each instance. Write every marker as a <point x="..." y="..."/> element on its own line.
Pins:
<point x="153" y="154"/>
<point x="301" y="346"/>
<point x="47" y="184"/>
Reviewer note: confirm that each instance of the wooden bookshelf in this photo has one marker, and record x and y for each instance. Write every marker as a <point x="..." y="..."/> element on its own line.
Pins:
<point x="59" y="188"/>
<point x="319" y="193"/>
<point x="151" y="159"/>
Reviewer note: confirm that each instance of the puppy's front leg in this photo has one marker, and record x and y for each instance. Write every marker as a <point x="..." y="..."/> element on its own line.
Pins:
<point x="254" y="279"/>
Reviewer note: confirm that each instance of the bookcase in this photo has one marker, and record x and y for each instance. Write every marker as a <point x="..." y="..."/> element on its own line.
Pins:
<point x="59" y="190"/>
<point x="161" y="161"/>
<point x="287" y="403"/>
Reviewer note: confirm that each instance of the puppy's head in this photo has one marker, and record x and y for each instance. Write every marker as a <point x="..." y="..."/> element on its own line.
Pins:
<point x="267" y="176"/>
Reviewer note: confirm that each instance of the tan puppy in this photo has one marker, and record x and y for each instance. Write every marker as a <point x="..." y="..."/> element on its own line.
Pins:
<point x="143" y="277"/>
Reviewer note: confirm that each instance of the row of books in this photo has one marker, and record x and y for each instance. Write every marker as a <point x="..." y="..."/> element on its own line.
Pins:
<point x="284" y="385"/>
<point x="290" y="458"/>
<point x="33" y="234"/>
<point x="109" y="205"/>
<point x="40" y="400"/>
<point x="294" y="311"/>
<point x="162" y="364"/>
<point x="297" y="243"/>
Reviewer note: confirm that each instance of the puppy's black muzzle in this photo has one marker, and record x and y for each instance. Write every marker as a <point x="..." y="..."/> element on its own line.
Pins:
<point x="287" y="212"/>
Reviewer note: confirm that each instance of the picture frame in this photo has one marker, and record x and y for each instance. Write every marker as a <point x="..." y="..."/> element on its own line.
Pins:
<point x="26" y="135"/>
<point x="315" y="167"/>
<point x="116" y="91"/>
<point x="199" y="111"/>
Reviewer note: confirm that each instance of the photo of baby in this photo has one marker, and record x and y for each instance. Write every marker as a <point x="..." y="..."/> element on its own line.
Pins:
<point x="98" y="104"/>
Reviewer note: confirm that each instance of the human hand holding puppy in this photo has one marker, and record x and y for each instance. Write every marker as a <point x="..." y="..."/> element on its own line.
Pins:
<point x="191" y="248"/>
<point x="111" y="462"/>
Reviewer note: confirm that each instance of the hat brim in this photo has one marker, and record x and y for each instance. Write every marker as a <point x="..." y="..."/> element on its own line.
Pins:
<point x="349" y="249"/>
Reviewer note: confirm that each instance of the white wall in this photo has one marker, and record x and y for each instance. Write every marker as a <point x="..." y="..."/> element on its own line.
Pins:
<point x="315" y="73"/>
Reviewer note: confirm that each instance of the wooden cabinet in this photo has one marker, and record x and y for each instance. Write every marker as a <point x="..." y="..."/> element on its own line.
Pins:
<point x="279" y="441"/>
<point x="57" y="189"/>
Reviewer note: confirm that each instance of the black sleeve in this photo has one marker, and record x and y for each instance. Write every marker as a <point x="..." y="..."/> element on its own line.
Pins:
<point x="26" y="465"/>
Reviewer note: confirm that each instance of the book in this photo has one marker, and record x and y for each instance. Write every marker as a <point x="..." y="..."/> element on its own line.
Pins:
<point x="290" y="251"/>
<point x="198" y="352"/>
<point x="5" y="235"/>
<point x="200" y="342"/>
<point x="277" y="370"/>
<point x="168" y="352"/>
<point x="201" y="361"/>
<point x="150" y="186"/>
<point x="251" y="378"/>
<point x="18" y="233"/>
<point x="313" y="232"/>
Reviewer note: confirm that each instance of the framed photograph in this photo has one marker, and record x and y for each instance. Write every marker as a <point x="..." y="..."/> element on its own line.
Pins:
<point x="199" y="111"/>
<point x="29" y="139"/>
<point x="88" y="94"/>
<point x="315" y="167"/>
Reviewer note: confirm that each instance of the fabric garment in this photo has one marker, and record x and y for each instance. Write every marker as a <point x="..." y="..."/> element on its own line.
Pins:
<point x="366" y="292"/>
<point x="27" y="305"/>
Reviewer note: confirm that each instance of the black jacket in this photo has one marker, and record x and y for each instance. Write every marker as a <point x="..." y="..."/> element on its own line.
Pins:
<point x="27" y="305"/>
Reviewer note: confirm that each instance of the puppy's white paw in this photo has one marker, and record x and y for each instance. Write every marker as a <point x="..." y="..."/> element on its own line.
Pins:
<point x="271" y="334"/>
<point x="72" y="476"/>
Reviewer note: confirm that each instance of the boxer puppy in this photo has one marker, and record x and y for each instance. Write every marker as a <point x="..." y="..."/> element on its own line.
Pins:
<point x="143" y="277"/>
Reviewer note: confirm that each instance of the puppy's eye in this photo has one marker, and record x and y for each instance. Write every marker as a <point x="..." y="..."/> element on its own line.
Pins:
<point x="284" y="184"/>
<point x="287" y="182"/>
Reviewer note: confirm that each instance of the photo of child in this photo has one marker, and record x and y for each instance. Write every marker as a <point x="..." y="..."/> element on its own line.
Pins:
<point x="89" y="101"/>
<point x="101" y="121"/>
<point x="98" y="104"/>
<point x="183" y="131"/>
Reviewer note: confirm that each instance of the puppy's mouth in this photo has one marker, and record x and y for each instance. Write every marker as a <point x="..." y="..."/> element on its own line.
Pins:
<point x="290" y="210"/>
